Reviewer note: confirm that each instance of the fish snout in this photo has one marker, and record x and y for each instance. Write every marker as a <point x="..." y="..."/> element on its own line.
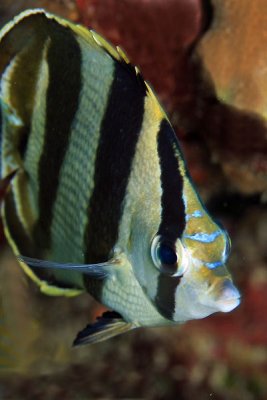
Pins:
<point x="227" y="295"/>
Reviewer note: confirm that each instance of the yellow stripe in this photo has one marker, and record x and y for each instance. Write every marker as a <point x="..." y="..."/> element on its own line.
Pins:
<point x="24" y="194"/>
<point x="76" y="179"/>
<point x="144" y="188"/>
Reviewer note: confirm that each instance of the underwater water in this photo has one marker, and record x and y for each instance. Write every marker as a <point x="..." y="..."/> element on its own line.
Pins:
<point x="224" y="356"/>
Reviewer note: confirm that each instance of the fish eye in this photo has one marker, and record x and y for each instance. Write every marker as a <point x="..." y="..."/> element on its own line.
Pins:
<point x="165" y="256"/>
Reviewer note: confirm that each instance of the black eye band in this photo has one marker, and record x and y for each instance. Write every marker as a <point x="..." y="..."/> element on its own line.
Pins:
<point x="167" y="256"/>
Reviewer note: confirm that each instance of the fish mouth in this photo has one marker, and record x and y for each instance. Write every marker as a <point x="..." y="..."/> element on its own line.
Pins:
<point x="229" y="297"/>
<point x="228" y="305"/>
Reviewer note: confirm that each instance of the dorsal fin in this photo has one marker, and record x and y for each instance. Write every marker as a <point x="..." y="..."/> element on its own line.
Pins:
<point x="90" y="36"/>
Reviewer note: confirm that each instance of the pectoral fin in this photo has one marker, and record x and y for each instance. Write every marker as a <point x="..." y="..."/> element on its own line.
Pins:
<point x="105" y="327"/>
<point x="96" y="271"/>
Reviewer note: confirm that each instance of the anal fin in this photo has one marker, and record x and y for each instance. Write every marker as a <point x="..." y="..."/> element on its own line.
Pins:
<point x="105" y="327"/>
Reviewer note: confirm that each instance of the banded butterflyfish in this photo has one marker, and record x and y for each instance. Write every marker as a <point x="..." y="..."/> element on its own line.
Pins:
<point x="97" y="194"/>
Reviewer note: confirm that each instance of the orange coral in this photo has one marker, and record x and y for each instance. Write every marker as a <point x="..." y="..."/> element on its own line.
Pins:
<point x="234" y="53"/>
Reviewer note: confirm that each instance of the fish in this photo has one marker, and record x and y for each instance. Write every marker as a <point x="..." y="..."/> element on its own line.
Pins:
<point x="98" y="197"/>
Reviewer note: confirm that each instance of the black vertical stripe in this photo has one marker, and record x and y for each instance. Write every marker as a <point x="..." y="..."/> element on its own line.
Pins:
<point x="120" y="129"/>
<point x="173" y="209"/>
<point x="165" y="298"/>
<point x="64" y="63"/>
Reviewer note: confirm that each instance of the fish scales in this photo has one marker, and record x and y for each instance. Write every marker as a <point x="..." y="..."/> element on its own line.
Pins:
<point x="76" y="180"/>
<point x="64" y="75"/>
<point x="123" y="120"/>
<point x="143" y="188"/>
<point x="99" y="196"/>
<point x="144" y="185"/>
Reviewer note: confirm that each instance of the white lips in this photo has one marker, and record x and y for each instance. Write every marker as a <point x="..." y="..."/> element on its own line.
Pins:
<point x="229" y="297"/>
<point x="228" y="305"/>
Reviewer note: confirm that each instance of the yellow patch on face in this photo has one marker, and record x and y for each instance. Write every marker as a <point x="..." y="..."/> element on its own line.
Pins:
<point x="208" y="277"/>
<point x="206" y="252"/>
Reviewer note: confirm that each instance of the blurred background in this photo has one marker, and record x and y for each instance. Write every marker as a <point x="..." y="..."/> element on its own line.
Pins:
<point x="207" y="62"/>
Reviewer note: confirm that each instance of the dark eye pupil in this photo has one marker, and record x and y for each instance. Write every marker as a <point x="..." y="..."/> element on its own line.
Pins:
<point x="167" y="255"/>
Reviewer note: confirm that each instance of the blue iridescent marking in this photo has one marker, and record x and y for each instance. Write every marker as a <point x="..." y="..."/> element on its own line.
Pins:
<point x="213" y="265"/>
<point x="195" y="214"/>
<point x="204" y="237"/>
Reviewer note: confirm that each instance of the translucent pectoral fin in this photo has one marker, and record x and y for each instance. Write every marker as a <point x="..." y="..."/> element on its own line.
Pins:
<point x="105" y="327"/>
<point x="96" y="271"/>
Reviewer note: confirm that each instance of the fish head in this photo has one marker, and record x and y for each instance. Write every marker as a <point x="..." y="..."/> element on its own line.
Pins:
<point x="206" y="285"/>
<point x="186" y="277"/>
<point x="204" y="247"/>
<point x="193" y="281"/>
